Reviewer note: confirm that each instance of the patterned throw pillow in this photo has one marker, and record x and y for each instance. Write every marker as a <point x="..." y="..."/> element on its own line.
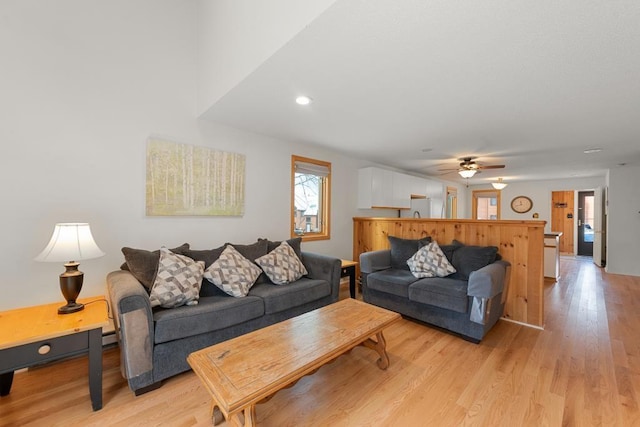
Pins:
<point x="232" y="273"/>
<point x="177" y="282"/>
<point x="430" y="261"/>
<point x="144" y="264"/>
<point x="282" y="265"/>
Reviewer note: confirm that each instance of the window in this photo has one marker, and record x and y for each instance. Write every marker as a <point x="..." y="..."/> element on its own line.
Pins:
<point x="310" y="198"/>
<point x="486" y="204"/>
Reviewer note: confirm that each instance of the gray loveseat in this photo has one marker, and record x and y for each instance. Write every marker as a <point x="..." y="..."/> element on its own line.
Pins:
<point x="468" y="302"/>
<point x="155" y="342"/>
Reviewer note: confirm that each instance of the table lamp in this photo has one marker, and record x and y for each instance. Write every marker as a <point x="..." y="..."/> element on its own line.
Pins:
<point x="70" y="242"/>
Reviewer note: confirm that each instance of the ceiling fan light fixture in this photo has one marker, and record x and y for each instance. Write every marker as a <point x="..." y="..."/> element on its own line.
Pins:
<point x="467" y="173"/>
<point x="499" y="185"/>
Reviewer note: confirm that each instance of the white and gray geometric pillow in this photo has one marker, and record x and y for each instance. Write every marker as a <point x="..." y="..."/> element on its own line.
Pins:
<point x="232" y="273"/>
<point x="282" y="265"/>
<point x="177" y="282"/>
<point x="430" y="261"/>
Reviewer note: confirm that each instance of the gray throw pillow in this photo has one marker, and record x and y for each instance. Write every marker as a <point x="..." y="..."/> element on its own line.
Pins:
<point x="403" y="249"/>
<point x="252" y="251"/>
<point x="449" y="250"/>
<point x="467" y="259"/>
<point x="143" y="264"/>
<point x="208" y="256"/>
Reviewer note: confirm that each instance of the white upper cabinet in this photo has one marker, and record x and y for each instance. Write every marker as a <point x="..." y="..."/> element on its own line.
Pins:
<point x="381" y="188"/>
<point x="401" y="191"/>
<point x="375" y="188"/>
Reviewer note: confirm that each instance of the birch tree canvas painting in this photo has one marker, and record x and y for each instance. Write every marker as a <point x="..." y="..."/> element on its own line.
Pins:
<point x="189" y="180"/>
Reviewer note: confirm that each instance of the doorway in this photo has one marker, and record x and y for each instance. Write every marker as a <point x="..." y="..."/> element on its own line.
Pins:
<point x="586" y="222"/>
<point x="486" y="204"/>
<point x="452" y="203"/>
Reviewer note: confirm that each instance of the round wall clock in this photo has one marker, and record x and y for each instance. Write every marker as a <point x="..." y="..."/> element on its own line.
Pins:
<point x="521" y="204"/>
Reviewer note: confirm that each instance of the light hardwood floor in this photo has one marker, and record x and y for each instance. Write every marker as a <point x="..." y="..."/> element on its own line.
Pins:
<point x="582" y="369"/>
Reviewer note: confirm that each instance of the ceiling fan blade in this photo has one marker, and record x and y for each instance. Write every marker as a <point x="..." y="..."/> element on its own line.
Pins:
<point x="491" y="167"/>
<point x="448" y="169"/>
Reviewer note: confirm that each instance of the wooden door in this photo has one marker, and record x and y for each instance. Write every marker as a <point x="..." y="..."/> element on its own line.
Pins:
<point x="562" y="219"/>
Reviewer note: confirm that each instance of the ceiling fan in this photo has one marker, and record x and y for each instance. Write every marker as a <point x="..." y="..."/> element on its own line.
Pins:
<point x="468" y="167"/>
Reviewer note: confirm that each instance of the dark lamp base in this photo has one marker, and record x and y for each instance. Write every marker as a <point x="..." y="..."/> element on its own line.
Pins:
<point x="70" y="308"/>
<point x="70" y="285"/>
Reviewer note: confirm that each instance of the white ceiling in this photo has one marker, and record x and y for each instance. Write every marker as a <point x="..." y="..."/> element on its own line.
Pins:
<point x="528" y="84"/>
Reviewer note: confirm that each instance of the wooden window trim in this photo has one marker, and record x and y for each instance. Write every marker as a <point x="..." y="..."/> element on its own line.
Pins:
<point x="325" y="200"/>
<point x="474" y="202"/>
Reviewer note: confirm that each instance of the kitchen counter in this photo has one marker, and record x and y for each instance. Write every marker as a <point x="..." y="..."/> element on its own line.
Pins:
<point x="552" y="255"/>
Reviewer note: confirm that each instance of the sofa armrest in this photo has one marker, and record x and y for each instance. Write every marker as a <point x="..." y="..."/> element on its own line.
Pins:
<point x="133" y="320"/>
<point x="370" y="262"/>
<point x="324" y="267"/>
<point x="488" y="281"/>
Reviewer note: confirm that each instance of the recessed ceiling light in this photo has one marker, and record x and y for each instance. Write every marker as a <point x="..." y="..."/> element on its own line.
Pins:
<point x="303" y="100"/>
<point x="592" y="150"/>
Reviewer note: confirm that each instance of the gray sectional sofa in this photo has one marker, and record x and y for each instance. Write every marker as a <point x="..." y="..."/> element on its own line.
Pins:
<point x="468" y="302"/>
<point x="155" y="342"/>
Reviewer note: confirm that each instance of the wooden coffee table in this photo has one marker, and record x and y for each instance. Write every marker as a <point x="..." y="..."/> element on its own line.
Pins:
<point x="251" y="368"/>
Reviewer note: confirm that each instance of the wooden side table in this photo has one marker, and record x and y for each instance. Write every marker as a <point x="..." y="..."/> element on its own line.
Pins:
<point x="35" y="335"/>
<point x="349" y="269"/>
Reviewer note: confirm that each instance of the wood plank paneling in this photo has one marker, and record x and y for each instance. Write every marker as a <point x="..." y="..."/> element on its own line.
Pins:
<point x="562" y="213"/>
<point x="519" y="242"/>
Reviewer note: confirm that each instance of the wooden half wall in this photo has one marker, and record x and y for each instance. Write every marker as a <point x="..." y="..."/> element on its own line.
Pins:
<point x="519" y="242"/>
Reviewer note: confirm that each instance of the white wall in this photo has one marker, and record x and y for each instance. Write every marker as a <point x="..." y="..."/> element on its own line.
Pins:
<point x="623" y="221"/>
<point x="540" y="194"/>
<point x="236" y="36"/>
<point x="83" y="84"/>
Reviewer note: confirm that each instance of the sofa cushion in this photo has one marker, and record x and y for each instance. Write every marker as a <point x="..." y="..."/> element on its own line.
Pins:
<point x="430" y="261"/>
<point x="233" y="273"/>
<point x="208" y="256"/>
<point x="448" y="250"/>
<point x="282" y="265"/>
<point x="471" y="258"/>
<point x="177" y="282"/>
<point x="295" y="243"/>
<point x="403" y="249"/>
<point x="252" y="251"/>
<point x="143" y="264"/>
<point x="392" y="281"/>
<point x="211" y="314"/>
<point x="450" y="294"/>
<point x="280" y="298"/>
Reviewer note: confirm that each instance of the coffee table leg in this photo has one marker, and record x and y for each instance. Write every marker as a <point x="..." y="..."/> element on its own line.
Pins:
<point x="380" y="346"/>
<point x="216" y="414"/>
<point x="250" y="416"/>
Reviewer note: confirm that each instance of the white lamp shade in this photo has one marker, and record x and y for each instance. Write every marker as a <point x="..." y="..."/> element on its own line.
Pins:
<point x="467" y="173"/>
<point x="499" y="185"/>
<point x="70" y="242"/>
